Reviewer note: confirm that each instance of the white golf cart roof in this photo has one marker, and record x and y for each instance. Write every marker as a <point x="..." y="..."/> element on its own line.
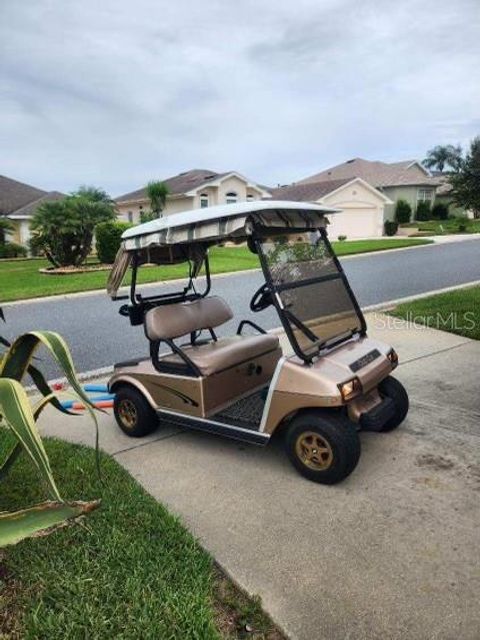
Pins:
<point x="187" y="235"/>
<point x="224" y="222"/>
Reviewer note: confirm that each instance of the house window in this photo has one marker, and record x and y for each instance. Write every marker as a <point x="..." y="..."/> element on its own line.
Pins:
<point x="250" y="197"/>
<point x="231" y="197"/>
<point x="203" y="200"/>
<point x="130" y="216"/>
<point x="425" y="195"/>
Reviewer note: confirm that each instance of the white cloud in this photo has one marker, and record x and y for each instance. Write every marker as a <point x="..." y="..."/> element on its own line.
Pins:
<point x="118" y="92"/>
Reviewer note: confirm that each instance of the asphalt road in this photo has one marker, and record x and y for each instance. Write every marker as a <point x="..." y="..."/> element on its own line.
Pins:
<point x="98" y="336"/>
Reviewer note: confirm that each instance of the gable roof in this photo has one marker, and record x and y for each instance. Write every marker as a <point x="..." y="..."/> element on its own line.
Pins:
<point x="177" y="185"/>
<point x="29" y="209"/>
<point x="14" y="194"/>
<point x="187" y="182"/>
<point x="316" y="191"/>
<point x="308" y="191"/>
<point x="378" y="174"/>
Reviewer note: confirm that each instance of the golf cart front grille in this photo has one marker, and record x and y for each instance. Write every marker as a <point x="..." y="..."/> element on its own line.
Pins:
<point x="378" y="416"/>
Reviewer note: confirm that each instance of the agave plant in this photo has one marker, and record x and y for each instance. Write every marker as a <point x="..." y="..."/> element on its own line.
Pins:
<point x="18" y="415"/>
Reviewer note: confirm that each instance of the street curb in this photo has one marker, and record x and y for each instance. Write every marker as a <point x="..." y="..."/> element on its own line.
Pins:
<point x="102" y="372"/>
<point x="126" y="288"/>
<point x="389" y="304"/>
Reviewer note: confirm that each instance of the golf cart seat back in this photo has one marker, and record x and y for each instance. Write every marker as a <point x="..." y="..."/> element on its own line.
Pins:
<point x="167" y="322"/>
<point x="175" y="320"/>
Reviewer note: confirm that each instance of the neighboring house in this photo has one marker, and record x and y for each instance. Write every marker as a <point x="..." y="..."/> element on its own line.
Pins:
<point x="362" y="206"/>
<point x="18" y="202"/>
<point x="407" y="180"/>
<point x="191" y="190"/>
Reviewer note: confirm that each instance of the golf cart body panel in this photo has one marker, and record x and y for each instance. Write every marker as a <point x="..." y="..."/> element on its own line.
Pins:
<point x="244" y="386"/>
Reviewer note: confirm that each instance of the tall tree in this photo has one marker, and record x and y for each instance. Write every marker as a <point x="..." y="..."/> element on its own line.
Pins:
<point x="466" y="181"/>
<point x="157" y="193"/>
<point x="64" y="229"/>
<point x="443" y="156"/>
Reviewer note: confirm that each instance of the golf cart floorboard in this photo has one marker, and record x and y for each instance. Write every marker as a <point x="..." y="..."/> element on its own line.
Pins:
<point x="245" y="413"/>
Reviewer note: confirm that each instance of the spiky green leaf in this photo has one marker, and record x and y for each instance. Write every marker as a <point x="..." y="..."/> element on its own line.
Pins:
<point x="16" y="413"/>
<point x="40" y="520"/>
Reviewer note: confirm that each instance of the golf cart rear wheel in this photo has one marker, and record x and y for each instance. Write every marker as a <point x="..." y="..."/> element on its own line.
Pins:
<point x="393" y="389"/>
<point x="134" y="415"/>
<point x="323" y="446"/>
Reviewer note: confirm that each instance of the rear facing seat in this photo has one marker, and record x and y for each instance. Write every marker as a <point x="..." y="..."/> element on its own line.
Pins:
<point x="168" y="322"/>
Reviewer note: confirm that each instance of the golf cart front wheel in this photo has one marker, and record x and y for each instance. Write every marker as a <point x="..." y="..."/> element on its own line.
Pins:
<point x="393" y="389"/>
<point x="133" y="414"/>
<point x="324" y="447"/>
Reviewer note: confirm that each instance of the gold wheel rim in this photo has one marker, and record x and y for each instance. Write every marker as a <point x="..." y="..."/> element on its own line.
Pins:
<point x="314" y="451"/>
<point x="128" y="413"/>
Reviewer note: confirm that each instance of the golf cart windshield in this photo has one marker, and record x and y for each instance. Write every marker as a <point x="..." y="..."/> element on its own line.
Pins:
<point x="311" y="292"/>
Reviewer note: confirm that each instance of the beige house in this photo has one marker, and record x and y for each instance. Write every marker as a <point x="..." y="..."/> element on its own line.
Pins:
<point x="407" y="180"/>
<point x="362" y="206"/>
<point x="191" y="190"/>
<point x="18" y="203"/>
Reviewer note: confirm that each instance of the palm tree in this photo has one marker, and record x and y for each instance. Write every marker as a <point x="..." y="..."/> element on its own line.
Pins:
<point x="443" y="156"/>
<point x="157" y="193"/>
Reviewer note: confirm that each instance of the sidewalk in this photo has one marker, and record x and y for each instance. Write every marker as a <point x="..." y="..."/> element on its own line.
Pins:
<point x="391" y="553"/>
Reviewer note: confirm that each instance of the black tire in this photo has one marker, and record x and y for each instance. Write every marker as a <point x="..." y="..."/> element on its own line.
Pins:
<point x="338" y="437"/>
<point x="393" y="389"/>
<point x="133" y="414"/>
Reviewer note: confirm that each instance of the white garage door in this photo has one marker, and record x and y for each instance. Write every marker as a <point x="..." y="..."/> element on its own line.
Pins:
<point x="356" y="223"/>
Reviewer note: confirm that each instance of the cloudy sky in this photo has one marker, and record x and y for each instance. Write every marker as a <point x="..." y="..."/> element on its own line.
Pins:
<point x="115" y="92"/>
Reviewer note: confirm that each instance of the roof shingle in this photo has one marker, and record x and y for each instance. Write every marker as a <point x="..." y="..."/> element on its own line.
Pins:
<point x="378" y="174"/>
<point x="177" y="185"/>
<point x="307" y="192"/>
<point x="14" y="194"/>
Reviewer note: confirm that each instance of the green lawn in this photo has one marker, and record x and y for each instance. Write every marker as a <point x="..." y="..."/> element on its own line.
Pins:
<point x="445" y="227"/>
<point x="132" y="571"/>
<point x="456" y="311"/>
<point x="364" y="246"/>
<point x="20" y="279"/>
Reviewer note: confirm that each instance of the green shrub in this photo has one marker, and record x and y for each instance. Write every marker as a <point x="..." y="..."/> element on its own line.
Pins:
<point x="342" y="238"/>
<point x="391" y="227"/>
<point x="108" y="237"/>
<point x="440" y="211"/>
<point x="403" y="212"/>
<point x="423" y="211"/>
<point x="462" y="224"/>
<point x="12" y="250"/>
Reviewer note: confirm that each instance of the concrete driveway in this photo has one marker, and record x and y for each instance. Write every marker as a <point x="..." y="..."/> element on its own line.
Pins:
<point x="393" y="552"/>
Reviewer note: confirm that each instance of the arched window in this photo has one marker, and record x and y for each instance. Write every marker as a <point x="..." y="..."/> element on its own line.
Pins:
<point x="231" y="197"/>
<point x="203" y="200"/>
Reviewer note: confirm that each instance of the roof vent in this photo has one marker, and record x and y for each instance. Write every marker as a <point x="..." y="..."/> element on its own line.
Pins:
<point x="350" y="161"/>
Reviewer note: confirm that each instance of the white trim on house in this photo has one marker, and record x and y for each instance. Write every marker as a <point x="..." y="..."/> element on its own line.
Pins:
<point x="218" y="181"/>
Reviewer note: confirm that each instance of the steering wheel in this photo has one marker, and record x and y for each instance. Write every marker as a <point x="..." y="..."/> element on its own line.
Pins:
<point x="262" y="298"/>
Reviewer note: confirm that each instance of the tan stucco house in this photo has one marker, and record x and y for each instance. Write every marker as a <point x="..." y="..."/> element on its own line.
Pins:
<point x="407" y="180"/>
<point x="362" y="206"/>
<point x="193" y="189"/>
<point x="18" y="203"/>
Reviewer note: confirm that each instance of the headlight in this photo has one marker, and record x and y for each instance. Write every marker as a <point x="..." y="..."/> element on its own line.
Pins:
<point x="350" y="388"/>
<point x="393" y="357"/>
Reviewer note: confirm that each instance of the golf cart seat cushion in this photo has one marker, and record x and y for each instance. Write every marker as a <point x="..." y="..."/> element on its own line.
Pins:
<point x="225" y="352"/>
<point x="174" y="320"/>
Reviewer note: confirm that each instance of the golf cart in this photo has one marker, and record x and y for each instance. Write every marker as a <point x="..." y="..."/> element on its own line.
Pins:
<point x="334" y="382"/>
